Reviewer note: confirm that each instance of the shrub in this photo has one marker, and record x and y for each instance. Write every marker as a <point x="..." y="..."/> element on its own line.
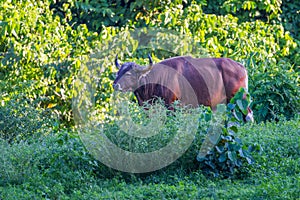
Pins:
<point x="222" y="152"/>
<point x="39" y="55"/>
<point x="290" y="16"/>
<point x="247" y="10"/>
<point x="275" y="89"/>
<point x="47" y="163"/>
<point x="19" y="121"/>
<point x="97" y="14"/>
<point x="17" y="163"/>
<point x="42" y="49"/>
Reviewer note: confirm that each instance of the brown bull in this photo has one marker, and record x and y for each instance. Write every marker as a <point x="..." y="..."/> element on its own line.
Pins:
<point x="193" y="81"/>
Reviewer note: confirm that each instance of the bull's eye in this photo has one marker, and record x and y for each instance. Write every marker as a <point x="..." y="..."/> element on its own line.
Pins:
<point x="128" y="74"/>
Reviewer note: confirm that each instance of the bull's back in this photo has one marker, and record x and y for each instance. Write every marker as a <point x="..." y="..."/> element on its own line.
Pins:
<point x="208" y="80"/>
<point x="199" y="80"/>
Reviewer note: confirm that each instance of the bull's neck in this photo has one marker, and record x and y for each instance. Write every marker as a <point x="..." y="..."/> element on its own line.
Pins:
<point x="142" y="92"/>
<point x="143" y="80"/>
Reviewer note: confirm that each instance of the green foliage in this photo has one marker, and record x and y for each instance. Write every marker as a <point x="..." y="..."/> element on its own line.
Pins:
<point x="224" y="36"/>
<point x="253" y="43"/>
<point x="291" y="16"/>
<point x="59" y="167"/>
<point x="17" y="164"/>
<point x="275" y="89"/>
<point x="44" y="44"/>
<point x="227" y="153"/>
<point x="97" y="14"/>
<point x="238" y="107"/>
<point x="39" y="55"/>
<point x="50" y="166"/>
<point x="229" y="156"/>
<point x="246" y="10"/>
<point x="19" y="121"/>
<point x="254" y="40"/>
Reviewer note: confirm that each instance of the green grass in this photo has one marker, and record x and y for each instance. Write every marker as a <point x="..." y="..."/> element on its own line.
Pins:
<point x="57" y="166"/>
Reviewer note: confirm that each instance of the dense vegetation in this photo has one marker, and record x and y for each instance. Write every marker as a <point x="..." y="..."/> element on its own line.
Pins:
<point x="57" y="166"/>
<point x="45" y="45"/>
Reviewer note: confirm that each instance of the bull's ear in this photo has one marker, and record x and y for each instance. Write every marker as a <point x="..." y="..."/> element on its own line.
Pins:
<point x="117" y="63"/>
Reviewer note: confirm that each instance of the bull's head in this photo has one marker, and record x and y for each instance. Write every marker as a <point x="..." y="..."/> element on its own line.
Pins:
<point x="129" y="74"/>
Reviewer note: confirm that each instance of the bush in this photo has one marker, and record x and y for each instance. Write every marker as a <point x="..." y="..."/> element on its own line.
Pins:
<point x="50" y="165"/>
<point x="19" y="121"/>
<point x="39" y="55"/>
<point x="222" y="151"/>
<point x="247" y="10"/>
<point x="290" y="16"/>
<point x="98" y="14"/>
<point x="275" y="90"/>
<point x="58" y="167"/>
<point x="17" y="164"/>
<point x="42" y="49"/>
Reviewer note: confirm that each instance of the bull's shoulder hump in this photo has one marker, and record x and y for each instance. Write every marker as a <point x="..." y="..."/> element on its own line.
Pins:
<point x="228" y="63"/>
<point x="174" y="62"/>
<point x="175" y="59"/>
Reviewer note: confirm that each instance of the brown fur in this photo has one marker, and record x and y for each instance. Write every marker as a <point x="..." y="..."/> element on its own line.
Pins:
<point x="193" y="81"/>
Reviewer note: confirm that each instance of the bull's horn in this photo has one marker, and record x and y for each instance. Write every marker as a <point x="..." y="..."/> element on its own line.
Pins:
<point x="150" y="60"/>
<point x="144" y="69"/>
<point x="117" y="63"/>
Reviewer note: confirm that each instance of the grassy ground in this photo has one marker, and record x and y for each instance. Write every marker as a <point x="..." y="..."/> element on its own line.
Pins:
<point x="58" y="167"/>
